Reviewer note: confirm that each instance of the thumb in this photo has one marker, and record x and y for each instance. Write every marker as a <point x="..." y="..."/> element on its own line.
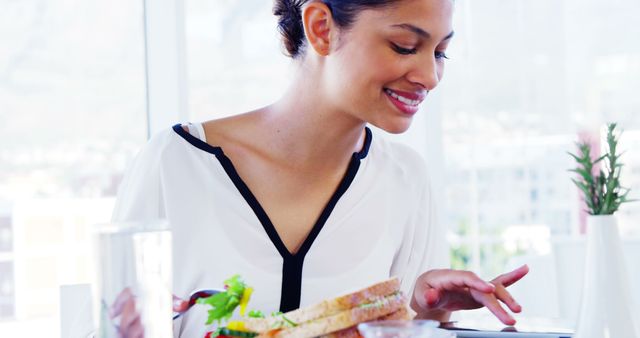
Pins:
<point x="123" y="297"/>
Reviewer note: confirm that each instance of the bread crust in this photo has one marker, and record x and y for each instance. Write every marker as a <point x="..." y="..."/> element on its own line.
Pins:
<point x="403" y="313"/>
<point x="329" y="307"/>
<point x="342" y="320"/>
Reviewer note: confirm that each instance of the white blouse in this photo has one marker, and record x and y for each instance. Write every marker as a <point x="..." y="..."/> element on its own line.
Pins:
<point x="379" y="223"/>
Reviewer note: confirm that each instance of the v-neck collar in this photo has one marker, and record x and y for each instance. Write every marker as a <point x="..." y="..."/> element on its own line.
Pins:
<point x="292" y="262"/>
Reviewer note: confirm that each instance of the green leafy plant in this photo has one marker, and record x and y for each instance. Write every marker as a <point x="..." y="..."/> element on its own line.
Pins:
<point x="601" y="192"/>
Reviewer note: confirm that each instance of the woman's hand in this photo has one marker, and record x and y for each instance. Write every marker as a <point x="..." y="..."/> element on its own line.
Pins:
<point x="441" y="291"/>
<point x="130" y="321"/>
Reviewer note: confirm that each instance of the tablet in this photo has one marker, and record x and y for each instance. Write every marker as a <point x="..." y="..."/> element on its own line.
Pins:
<point x="468" y="333"/>
<point x="526" y="328"/>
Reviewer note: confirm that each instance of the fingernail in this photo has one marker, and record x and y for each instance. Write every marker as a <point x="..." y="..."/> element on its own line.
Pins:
<point x="431" y="296"/>
<point x="179" y="305"/>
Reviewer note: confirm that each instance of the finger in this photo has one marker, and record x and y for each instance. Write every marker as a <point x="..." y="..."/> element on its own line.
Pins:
<point x="491" y="303"/>
<point x="511" y="277"/>
<point x="179" y="304"/>
<point x="504" y="296"/>
<point x="135" y="330"/>
<point x="432" y="296"/>
<point x="129" y="316"/>
<point x="123" y="297"/>
<point x="455" y="279"/>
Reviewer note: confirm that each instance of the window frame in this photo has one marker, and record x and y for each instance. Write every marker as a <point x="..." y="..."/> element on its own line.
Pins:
<point x="165" y="64"/>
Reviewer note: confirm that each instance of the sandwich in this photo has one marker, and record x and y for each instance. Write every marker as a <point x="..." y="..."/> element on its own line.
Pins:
<point x="337" y="317"/>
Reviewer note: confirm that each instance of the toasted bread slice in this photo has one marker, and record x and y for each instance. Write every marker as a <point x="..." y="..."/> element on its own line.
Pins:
<point x="328" y="307"/>
<point x="404" y="313"/>
<point x="342" y="320"/>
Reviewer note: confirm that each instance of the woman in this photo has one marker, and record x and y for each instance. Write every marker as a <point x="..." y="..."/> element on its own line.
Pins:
<point x="300" y="197"/>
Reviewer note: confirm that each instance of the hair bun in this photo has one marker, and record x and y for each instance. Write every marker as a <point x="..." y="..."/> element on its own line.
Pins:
<point x="290" y="24"/>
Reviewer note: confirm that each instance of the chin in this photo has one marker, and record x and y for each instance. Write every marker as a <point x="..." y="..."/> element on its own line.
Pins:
<point x="394" y="127"/>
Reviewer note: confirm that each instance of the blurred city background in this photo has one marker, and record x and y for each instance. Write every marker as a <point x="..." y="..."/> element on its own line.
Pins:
<point x="526" y="79"/>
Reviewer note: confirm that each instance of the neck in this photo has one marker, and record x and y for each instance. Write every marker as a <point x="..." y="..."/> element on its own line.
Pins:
<point x="316" y="133"/>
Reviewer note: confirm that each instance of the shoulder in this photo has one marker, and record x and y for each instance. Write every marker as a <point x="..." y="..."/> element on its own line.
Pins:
<point x="140" y="191"/>
<point x="234" y="129"/>
<point x="166" y="146"/>
<point x="167" y="139"/>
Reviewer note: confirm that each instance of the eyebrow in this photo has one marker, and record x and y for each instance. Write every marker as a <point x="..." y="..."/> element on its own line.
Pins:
<point x="419" y="31"/>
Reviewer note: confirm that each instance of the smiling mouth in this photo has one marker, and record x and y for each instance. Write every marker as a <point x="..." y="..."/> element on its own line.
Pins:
<point x="406" y="102"/>
<point x="410" y="99"/>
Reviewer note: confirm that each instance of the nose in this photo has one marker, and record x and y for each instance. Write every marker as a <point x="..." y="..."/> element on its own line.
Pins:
<point x="426" y="73"/>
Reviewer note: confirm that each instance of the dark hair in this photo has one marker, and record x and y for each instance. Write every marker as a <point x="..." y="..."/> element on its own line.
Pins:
<point x="290" y="18"/>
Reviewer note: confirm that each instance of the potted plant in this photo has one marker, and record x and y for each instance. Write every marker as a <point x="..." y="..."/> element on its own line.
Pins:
<point x="605" y="310"/>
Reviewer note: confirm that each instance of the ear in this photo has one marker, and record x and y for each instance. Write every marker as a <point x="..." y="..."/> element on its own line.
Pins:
<point x="318" y="23"/>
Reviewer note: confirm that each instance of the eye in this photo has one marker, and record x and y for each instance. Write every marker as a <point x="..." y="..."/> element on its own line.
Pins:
<point x="441" y="55"/>
<point x="403" y="51"/>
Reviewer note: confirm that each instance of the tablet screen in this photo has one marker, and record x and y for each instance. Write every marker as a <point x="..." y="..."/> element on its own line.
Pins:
<point x="467" y="333"/>
<point x="527" y="328"/>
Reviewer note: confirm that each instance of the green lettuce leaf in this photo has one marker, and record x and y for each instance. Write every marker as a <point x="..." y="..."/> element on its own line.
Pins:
<point x="224" y="303"/>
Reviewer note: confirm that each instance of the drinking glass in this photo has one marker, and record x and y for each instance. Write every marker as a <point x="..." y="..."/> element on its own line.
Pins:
<point x="133" y="258"/>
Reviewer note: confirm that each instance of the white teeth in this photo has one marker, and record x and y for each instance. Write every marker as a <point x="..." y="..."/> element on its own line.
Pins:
<point x="402" y="99"/>
<point x="406" y="101"/>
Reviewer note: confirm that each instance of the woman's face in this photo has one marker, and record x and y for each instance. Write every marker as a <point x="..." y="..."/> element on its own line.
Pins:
<point x="383" y="66"/>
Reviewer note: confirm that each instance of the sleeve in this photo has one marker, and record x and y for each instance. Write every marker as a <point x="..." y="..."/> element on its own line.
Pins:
<point x="424" y="244"/>
<point x="140" y="195"/>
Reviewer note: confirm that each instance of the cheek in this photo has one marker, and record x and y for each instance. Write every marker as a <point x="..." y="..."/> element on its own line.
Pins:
<point x="359" y="73"/>
<point x="348" y="79"/>
<point x="379" y="64"/>
<point x="370" y="73"/>
<point x="391" y="70"/>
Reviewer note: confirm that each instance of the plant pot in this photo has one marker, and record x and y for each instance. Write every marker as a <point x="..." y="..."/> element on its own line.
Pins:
<point x="605" y="311"/>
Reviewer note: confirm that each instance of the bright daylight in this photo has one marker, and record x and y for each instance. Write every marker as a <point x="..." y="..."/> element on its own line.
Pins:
<point x="319" y="168"/>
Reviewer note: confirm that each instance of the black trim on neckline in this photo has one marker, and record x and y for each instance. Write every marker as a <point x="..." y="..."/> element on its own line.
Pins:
<point x="196" y="142"/>
<point x="202" y="145"/>
<point x="292" y="263"/>
<point x="367" y="144"/>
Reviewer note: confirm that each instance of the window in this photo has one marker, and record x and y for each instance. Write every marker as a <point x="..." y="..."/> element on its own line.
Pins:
<point x="527" y="79"/>
<point x="7" y="297"/>
<point x="72" y="103"/>
<point x="234" y="56"/>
